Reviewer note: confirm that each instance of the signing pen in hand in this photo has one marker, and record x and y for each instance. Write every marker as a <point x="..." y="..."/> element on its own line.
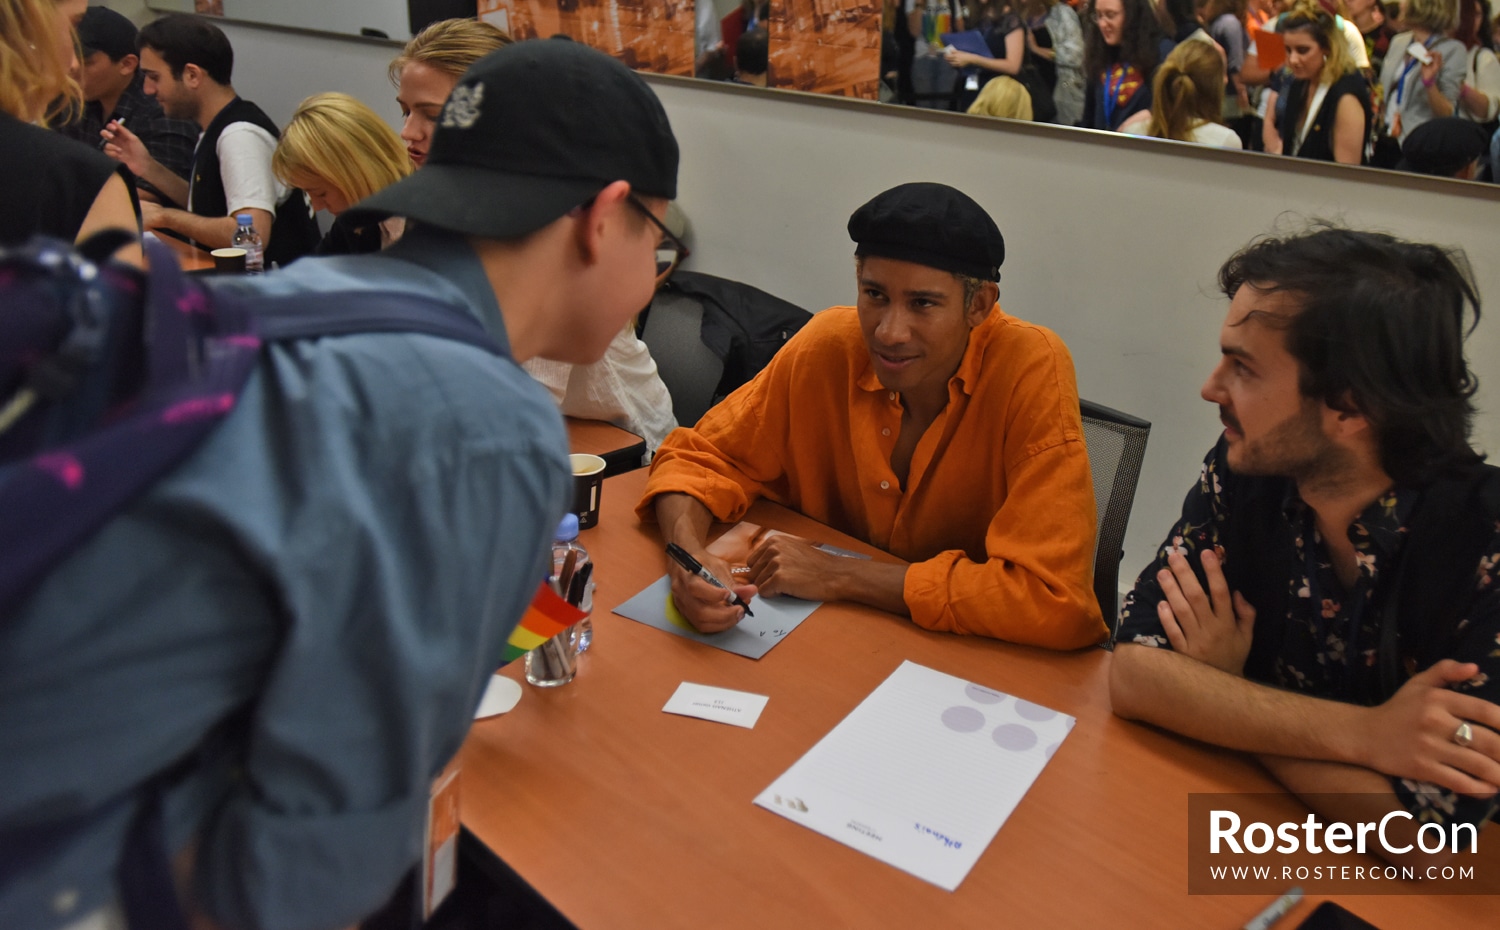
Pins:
<point x="690" y="564"/>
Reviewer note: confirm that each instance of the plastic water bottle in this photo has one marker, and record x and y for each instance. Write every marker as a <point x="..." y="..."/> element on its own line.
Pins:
<point x="245" y="237"/>
<point x="566" y="542"/>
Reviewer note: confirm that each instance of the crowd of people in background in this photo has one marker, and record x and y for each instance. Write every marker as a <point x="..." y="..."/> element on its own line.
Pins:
<point x="1411" y="85"/>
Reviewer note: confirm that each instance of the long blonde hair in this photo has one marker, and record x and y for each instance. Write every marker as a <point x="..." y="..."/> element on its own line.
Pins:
<point x="1188" y="89"/>
<point x="34" y="81"/>
<point x="449" y="46"/>
<point x="1309" y="17"/>
<point x="340" y="140"/>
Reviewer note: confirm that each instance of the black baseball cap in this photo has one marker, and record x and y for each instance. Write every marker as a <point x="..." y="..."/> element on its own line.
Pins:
<point x="530" y="132"/>
<point x="933" y="225"/>
<point x="104" y="30"/>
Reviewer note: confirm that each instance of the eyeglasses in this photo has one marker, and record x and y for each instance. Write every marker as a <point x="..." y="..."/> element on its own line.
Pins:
<point x="1110" y="16"/>
<point x="672" y="250"/>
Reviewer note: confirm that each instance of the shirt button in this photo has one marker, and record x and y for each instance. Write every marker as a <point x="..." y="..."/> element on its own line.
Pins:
<point x="885" y="485"/>
<point x="893" y="395"/>
<point x="886" y="431"/>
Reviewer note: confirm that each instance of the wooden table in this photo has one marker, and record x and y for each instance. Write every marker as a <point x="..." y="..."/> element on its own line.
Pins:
<point x="621" y="449"/>
<point x="624" y="816"/>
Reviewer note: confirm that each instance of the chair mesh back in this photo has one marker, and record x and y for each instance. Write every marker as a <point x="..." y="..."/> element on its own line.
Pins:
<point x="690" y="369"/>
<point x="1117" y="446"/>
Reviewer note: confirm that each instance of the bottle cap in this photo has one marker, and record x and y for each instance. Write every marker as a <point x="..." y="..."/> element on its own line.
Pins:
<point x="567" y="530"/>
<point x="244" y="219"/>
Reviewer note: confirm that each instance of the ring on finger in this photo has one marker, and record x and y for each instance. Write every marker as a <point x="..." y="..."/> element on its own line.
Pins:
<point x="1464" y="735"/>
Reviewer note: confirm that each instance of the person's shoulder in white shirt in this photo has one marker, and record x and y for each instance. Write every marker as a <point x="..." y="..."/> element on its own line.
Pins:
<point x="245" y="151"/>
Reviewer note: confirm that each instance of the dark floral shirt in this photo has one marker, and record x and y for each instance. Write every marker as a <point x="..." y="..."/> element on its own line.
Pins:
<point x="1328" y="628"/>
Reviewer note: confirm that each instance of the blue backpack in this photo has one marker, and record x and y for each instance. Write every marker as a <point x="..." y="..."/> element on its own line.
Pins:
<point x="109" y="378"/>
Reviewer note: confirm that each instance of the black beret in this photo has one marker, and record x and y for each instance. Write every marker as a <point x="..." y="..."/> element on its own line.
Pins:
<point x="933" y="225"/>
<point x="1444" y="147"/>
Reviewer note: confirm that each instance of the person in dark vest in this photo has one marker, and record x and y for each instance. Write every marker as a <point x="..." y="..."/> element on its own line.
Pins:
<point x="110" y="76"/>
<point x="1328" y="598"/>
<point x="187" y="64"/>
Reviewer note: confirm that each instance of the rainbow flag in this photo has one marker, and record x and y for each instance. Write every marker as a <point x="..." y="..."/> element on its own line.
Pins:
<point x="547" y="616"/>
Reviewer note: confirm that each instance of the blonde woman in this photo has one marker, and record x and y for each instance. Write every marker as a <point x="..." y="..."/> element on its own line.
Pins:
<point x="1187" y="98"/>
<point x="428" y="68"/>
<point x="1003" y="97"/>
<point x="340" y="152"/>
<point x="624" y="387"/>
<point x="50" y="184"/>
<point x="1327" y="115"/>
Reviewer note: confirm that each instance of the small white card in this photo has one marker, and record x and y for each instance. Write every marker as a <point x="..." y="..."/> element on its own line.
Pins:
<point x="721" y="705"/>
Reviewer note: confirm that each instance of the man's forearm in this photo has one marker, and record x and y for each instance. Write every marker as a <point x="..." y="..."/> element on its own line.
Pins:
<point x="169" y="184"/>
<point x="876" y="584"/>
<point x="214" y="232"/>
<point x="684" y="521"/>
<point x="1181" y="694"/>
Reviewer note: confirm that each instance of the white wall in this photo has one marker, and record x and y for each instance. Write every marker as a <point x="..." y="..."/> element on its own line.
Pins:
<point x="1112" y="242"/>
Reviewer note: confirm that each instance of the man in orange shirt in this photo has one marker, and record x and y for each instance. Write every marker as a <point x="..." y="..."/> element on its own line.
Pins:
<point x="924" y="421"/>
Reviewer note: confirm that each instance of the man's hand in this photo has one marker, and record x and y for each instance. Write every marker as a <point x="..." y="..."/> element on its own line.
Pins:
<point x="153" y="215"/>
<point x="1411" y="735"/>
<point x="126" y="147"/>
<point x="789" y="565"/>
<point x="705" y="606"/>
<point x="1214" y="627"/>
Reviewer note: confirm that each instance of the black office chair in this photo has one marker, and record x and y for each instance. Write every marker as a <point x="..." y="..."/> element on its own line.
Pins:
<point x="710" y="335"/>
<point x="690" y="370"/>
<point x="1117" y="446"/>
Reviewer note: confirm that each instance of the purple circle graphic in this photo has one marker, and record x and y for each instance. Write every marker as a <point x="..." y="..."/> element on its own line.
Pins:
<point x="1014" y="736"/>
<point x="1051" y="749"/>
<point x="983" y="695"/>
<point x="1029" y="711"/>
<point x="962" y="719"/>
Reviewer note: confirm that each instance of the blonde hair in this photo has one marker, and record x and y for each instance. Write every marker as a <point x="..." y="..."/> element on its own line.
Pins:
<point x="449" y="46"/>
<point x="1188" y="89"/>
<point x="1436" y="15"/>
<point x="1310" y="17"/>
<point x="336" y="138"/>
<point x="34" y="81"/>
<point x="1003" y="97"/>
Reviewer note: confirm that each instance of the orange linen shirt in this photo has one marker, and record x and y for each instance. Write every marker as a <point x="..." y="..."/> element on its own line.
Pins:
<point x="998" y="515"/>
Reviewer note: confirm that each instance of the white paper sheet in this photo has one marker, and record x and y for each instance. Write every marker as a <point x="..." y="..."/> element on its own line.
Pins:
<point x="922" y="773"/>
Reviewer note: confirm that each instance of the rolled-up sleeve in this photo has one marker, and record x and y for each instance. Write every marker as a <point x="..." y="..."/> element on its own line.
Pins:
<point x="1036" y="584"/>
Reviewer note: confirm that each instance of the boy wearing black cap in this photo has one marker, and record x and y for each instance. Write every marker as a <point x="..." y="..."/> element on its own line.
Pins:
<point x="112" y="92"/>
<point x="327" y="583"/>
<point x="925" y="421"/>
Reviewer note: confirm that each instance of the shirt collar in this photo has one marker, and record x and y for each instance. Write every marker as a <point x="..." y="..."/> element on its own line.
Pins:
<point x="451" y="256"/>
<point x="1377" y="533"/>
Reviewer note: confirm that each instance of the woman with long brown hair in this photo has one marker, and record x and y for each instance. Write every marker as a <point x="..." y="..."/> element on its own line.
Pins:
<point x="1187" y="98"/>
<point x="1123" y="44"/>
<point x="50" y="184"/>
